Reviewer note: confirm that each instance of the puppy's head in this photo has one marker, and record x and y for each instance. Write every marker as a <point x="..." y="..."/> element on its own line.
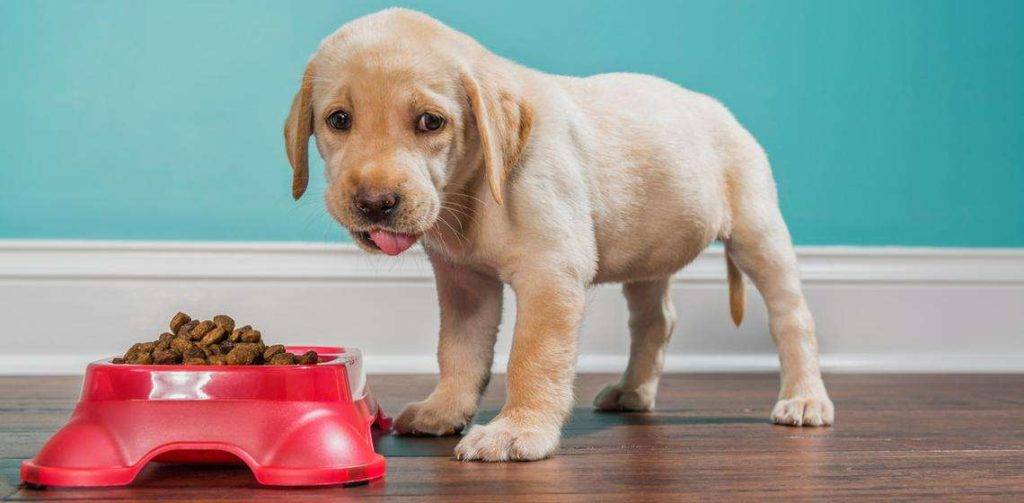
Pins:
<point x="402" y="107"/>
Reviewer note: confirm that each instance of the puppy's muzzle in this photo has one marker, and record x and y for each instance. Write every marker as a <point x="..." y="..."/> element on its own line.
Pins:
<point x="377" y="208"/>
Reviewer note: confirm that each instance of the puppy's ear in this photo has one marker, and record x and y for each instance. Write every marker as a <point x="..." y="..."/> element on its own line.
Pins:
<point x="297" y="129"/>
<point x="503" y="123"/>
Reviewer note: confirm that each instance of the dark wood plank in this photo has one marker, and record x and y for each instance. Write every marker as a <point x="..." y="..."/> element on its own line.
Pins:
<point x="8" y="477"/>
<point x="910" y="436"/>
<point x="790" y="475"/>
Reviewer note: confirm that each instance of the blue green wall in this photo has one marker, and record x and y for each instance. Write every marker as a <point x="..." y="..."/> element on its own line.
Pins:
<point x="888" y="122"/>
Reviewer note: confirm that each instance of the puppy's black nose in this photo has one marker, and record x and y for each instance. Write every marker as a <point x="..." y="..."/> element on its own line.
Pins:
<point x="378" y="207"/>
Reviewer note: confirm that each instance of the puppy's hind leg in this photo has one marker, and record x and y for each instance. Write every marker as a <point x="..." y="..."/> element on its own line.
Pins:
<point x="760" y="246"/>
<point x="651" y="320"/>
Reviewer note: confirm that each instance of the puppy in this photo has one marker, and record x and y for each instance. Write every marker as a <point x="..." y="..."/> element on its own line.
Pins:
<point x="549" y="184"/>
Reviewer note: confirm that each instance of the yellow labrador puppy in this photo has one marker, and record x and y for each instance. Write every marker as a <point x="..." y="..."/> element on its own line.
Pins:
<point x="549" y="184"/>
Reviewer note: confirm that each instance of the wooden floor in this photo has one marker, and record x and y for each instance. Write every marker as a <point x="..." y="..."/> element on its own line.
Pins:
<point x="915" y="436"/>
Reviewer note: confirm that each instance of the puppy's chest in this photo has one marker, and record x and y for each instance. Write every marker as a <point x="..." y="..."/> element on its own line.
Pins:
<point x="465" y="260"/>
<point x="476" y="251"/>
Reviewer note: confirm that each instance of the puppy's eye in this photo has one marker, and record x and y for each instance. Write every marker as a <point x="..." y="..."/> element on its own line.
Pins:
<point x="429" y="122"/>
<point x="340" y="120"/>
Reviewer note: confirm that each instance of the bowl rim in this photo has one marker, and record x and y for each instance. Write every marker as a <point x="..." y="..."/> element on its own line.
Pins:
<point x="337" y="356"/>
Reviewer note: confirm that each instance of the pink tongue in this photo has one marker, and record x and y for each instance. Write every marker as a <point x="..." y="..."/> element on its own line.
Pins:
<point x="390" y="242"/>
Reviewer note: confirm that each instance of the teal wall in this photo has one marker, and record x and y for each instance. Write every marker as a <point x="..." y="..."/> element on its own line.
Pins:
<point x="888" y="122"/>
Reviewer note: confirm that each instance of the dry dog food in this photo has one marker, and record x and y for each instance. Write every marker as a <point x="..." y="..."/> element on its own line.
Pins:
<point x="211" y="342"/>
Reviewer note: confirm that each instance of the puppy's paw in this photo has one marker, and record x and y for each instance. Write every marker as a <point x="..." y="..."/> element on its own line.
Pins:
<point x="505" y="440"/>
<point x="614" y="398"/>
<point x="804" y="411"/>
<point x="432" y="417"/>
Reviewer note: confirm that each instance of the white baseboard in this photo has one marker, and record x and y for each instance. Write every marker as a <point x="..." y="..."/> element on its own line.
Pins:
<point x="877" y="309"/>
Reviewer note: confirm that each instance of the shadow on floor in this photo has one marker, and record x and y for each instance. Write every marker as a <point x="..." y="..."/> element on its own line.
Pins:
<point x="669" y="418"/>
<point x="415" y="447"/>
<point x="584" y="421"/>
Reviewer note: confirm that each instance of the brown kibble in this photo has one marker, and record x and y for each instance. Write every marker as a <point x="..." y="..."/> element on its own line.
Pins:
<point x="282" y="359"/>
<point x="165" y="338"/>
<point x="212" y="337"/>
<point x="194" y="353"/>
<point x="252" y="336"/>
<point x="182" y="345"/>
<point x="224" y="321"/>
<point x="194" y="356"/>
<point x="308" y="358"/>
<point x="164" y="342"/>
<point x="210" y="342"/>
<point x="236" y="334"/>
<point x="178" y="320"/>
<point x="166" y="357"/>
<point x="242" y="354"/>
<point x="258" y="348"/>
<point x="183" y="331"/>
<point x="201" y="329"/>
<point x="272" y="350"/>
<point x="133" y="352"/>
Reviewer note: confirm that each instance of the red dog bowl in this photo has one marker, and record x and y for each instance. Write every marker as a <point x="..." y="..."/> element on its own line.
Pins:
<point x="296" y="425"/>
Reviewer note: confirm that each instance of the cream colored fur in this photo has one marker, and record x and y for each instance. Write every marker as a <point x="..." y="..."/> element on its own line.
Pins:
<point x="549" y="184"/>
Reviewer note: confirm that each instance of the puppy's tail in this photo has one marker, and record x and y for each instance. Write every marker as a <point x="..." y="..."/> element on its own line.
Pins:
<point x="737" y="293"/>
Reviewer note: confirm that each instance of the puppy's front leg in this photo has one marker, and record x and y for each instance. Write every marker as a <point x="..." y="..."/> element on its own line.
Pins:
<point x="540" y="373"/>
<point x="470" y="314"/>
